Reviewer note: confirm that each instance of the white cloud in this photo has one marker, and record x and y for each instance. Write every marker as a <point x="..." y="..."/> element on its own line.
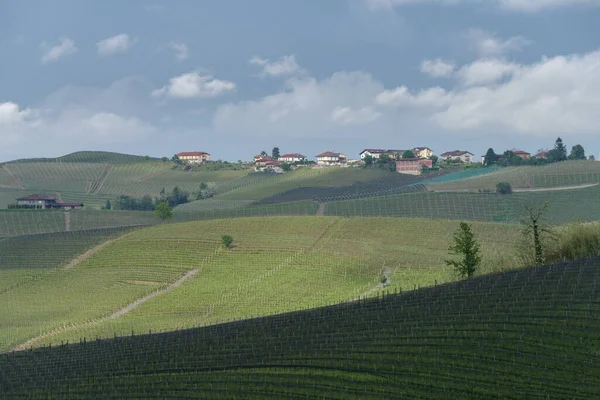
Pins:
<point x="180" y="49"/>
<point x="118" y="44"/>
<point x="53" y="53"/>
<point x="486" y="71"/>
<point x="511" y="5"/>
<point x="401" y="97"/>
<point x="193" y="85"/>
<point x="437" y="68"/>
<point x="285" y="65"/>
<point x="306" y="108"/>
<point x="487" y="44"/>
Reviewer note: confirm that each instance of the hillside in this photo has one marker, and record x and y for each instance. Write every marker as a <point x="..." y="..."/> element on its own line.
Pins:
<point x="91" y="157"/>
<point x="523" y="334"/>
<point x="277" y="264"/>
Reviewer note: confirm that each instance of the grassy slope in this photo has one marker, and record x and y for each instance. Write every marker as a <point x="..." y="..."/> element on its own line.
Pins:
<point x="565" y="205"/>
<point x="528" y="334"/>
<point x="91" y="157"/>
<point x="551" y="175"/>
<point x="279" y="264"/>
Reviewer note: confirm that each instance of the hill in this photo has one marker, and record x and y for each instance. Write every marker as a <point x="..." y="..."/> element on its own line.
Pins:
<point x="91" y="157"/>
<point x="523" y="334"/>
<point x="277" y="264"/>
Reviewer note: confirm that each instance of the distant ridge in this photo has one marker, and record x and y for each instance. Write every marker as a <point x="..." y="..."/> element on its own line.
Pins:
<point x="91" y="157"/>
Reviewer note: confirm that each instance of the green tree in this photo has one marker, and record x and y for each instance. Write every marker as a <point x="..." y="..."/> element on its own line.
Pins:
<point x="107" y="205"/>
<point x="164" y="159"/>
<point x="226" y="240"/>
<point x="577" y="153"/>
<point x="559" y="152"/>
<point x="490" y="158"/>
<point x="592" y="158"/>
<point x="368" y="160"/>
<point x="163" y="211"/>
<point x="275" y="153"/>
<point x="408" y="154"/>
<point x="468" y="249"/>
<point x="536" y="231"/>
<point x="286" y="166"/>
<point x="503" y="188"/>
<point x="434" y="159"/>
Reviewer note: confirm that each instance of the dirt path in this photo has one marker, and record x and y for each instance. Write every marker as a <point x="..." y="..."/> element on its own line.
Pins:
<point x="97" y="185"/>
<point x="387" y="273"/>
<point x="67" y="221"/>
<point x="59" y="197"/>
<point x="16" y="180"/>
<point x="81" y="258"/>
<point x="547" y="189"/>
<point x="321" y="210"/>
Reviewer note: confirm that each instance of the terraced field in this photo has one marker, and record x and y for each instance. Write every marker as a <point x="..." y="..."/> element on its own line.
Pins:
<point x="522" y="334"/>
<point x="552" y="175"/>
<point x="277" y="264"/>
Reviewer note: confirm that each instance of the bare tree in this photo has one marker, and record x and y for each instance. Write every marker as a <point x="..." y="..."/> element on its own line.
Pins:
<point x="536" y="231"/>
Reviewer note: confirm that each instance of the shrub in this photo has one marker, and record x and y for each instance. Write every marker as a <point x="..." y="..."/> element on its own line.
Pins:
<point x="575" y="241"/>
<point x="227" y="240"/>
<point x="503" y="188"/>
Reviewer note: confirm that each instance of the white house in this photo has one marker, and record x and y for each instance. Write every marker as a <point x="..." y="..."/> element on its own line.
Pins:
<point x="292" y="158"/>
<point x="423" y="152"/>
<point x="331" y="158"/>
<point x="461" y="155"/>
<point x="374" y="153"/>
<point x="196" y="157"/>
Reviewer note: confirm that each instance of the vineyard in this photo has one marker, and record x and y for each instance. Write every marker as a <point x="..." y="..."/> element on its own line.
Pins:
<point x="528" y="334"/>
<point x="277" y="264"/>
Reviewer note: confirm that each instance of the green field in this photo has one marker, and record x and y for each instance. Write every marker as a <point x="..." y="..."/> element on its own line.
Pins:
<point x="528" y="334"/>
<point x="551" y="175"/>
<point x="278" y="264"/>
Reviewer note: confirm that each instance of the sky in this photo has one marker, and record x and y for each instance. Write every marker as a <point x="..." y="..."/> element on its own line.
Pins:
<point x="236" y="77"/>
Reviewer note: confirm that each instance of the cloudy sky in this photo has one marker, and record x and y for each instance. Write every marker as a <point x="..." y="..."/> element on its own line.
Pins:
<point x="234" y="77"/>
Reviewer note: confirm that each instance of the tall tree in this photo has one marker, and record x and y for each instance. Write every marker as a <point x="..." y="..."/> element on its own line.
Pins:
<point x="559" y="152"/>
<point x="107" y="205"/>
<point x="577" y="153"/>
<point x="468" y="249"/>
<point x="275" y="153"/>
<point x="490" y="158"/>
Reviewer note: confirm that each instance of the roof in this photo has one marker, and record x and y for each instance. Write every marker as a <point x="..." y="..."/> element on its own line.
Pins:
<point x="373" y="151"/>
<point x="421" y="148"/>
<point x="520" y="152"/>
<point x="292" y="155"/>
<point x="411" y="159"/>
<point x="192" y="153"/>
<point x="395" y="151"/>
<point x="36" y="197"/>
<point x="264" y="159"/>
<point x="456" y="153"/>
<point x="541" y="154"/>
<point x="329" y="154"/>
<point x="69" y="204"/>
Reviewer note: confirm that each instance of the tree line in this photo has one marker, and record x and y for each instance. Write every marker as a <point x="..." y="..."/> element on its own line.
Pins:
<point x="556" y="154"/>
<point x="173" y="198"/>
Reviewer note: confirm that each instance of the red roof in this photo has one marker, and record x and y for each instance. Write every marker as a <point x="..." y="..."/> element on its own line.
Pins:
<point x="329" y="154"/>
<point x="410" y="159"/>
<point x="520" y="152"/>
<point x="264" y="159"/>
<point x="69" y="204"/>
<point x="191" y="154"/>
<point x="541" y="154"/>
<point x="36" y="197"/>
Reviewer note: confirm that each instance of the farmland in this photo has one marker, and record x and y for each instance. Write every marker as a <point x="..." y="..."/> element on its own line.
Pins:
<point x="527" y="334"/>
<point x="296" y="263"/>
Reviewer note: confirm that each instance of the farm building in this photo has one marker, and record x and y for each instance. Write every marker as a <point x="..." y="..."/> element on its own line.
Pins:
<point x="195" y="157"/>
<point x="331" y="158"/>
<point x="412" y="166"/>
<point x="44" y="202"/>
<point x="461" y="155"/>
<point x="394" y="154"/>
<point x="292" y="158"/>
<point x="423" y="152"/>
<point x="263" y="161"/>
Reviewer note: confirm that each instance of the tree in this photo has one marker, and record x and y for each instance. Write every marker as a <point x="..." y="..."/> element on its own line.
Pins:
<point x="227" y="240"/>
<point x="577" y="153"/>
<point x="490" y="158"/>
<point x="434" y="159"/>
<point x="503" y="188"/>
<point x="164" y="159"/>
<point x="559" y="152"/>
<point x="275" y="153"/>
<point x="286" y="166"/>
<point x="535" y="231"/>
<point x="408" y="154"/>
<point x="107" y="205"/>
<point x="176" y="159"/>
<point x="592" y="158"/>
<point x="163" y="211"/>
<point x="368" y="160"/>
<point x="467" y="248"/>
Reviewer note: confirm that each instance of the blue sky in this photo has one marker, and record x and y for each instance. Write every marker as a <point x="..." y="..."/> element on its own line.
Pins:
<point x="237" y="77"/>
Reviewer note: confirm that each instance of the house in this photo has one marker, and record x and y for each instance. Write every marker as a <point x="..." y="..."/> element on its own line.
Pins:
<point x="292" y="158"/>
<point x="461" y="155"/>
<point x="374" y="153"/>
<point x="331" y="158"/>
<point x="195" y="157"/>
<point x="262" y="162"/>
<point x="394" y="154"/>
<point x="44" y="202"/>
<point x="36" y="201"/>
<point x="412" y="166"/>
<point x="522" y="154"/>
<point x="423" y="152"/>
<point x="541" y="154"/>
